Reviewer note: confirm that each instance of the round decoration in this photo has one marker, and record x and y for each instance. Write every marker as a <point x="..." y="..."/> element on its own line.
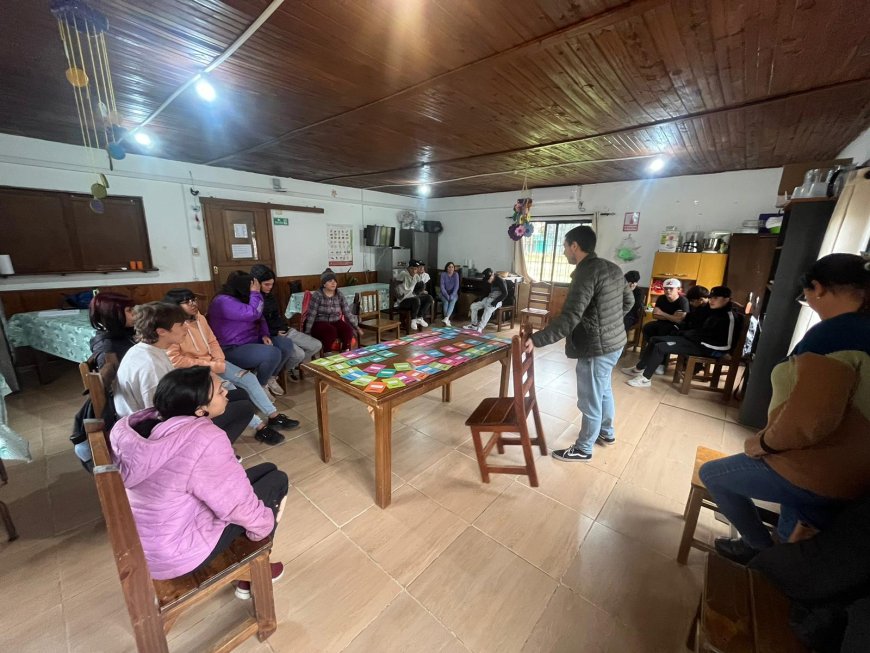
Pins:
<point x="103" y="180"/>
<point x="97" y="206"/>
<point x="116" y="151"/>
<point x="98" y="191"/>
<point x="512" y="232"/>
<point x="77" y="77"/>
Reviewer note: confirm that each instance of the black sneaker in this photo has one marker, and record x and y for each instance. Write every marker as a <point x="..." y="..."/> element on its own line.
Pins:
<point x="605" y="440"/>
<point x="268" y="435"/>
<point x="282" y="421"/>
<point x="572" y="454"/>
<point x="736" y="550"/>
<point x="293" y="375"/>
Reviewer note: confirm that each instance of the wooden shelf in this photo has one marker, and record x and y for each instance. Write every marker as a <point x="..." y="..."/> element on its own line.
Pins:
<point x="64" y="273"/>
<point x="806" y="200"/>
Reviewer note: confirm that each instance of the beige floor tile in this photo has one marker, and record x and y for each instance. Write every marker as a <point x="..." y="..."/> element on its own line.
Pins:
<point x="404" y="627"/>
<point x="302" y="527"/>
<point x="86" y="559"/>
<point x="98" y="616"/>
<point x="30" y="578"/>
<point x="540" y="530"/>
<point x="34" y="632"/>
<point x="641" y="588"/>
<point x="72" y="493"/>
<point x="489" y="597"/>
<point x="408" y="536"/>
<point x="204" y="625"/>
<point x="446" y="426"/>
<point x="454" y="482"/>
<point x="558" y="405"/>
<point x="565" y="383"/>
<point x="344" y="490"/>
<point x="328" y="596"/>
<point x="734" y="437"/>
<point x="697" y="401"/>
<point x="299" y="458"/>
<point x="676" y="433"/>
<point x="651" y="470"/>
<point x="570" y="624"/>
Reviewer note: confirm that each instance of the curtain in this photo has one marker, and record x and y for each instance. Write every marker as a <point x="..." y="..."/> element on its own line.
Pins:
<point x="519" y="264"/>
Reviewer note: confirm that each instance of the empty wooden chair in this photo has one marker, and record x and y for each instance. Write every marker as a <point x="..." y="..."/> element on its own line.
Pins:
<point x="154" y="605"/>
<point x="370" y="318"/>
<point x="500" y="415"/>
<point x="686" y="365"/>
<point x="538" y="306"/>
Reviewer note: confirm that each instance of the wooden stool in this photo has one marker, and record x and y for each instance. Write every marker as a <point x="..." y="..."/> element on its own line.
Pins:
<point x="698" y="498"/>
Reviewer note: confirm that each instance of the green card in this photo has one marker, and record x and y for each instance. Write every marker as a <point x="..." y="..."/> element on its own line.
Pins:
<point x="403" y="367"/>
<point x="394" y="383"/>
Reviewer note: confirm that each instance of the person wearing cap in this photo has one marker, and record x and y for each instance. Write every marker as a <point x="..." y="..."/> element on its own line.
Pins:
<point x="201" y="347"/>
<point x="329" y="317"/>
<point x="813" y="456"/>
<point x="714" y="337"/>
<point x="668" y="311"/>
<point x="632" y="277"/>
<point x="498" y="292"/>
<point x="591" y="322"/>
<point x="411" y="290"/>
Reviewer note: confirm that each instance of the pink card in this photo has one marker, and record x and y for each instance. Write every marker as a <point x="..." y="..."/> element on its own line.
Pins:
<point x="374" y="368"/>
<point x="450" y="349"/>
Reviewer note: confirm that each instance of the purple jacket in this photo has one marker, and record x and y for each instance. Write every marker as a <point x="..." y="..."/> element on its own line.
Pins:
<point x="235" y="323"/>
<point x="449" y="285"/>
<point x="184" y="485"/>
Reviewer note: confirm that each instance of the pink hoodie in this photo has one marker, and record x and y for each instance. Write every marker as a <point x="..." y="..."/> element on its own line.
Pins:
<point x="185" y="486"/>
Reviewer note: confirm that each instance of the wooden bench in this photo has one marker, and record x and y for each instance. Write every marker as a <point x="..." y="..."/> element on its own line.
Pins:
<point x="741" y="612"/>
<point x="154" y="605"/>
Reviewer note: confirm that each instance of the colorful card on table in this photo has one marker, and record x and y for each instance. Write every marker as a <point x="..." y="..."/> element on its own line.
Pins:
<point x="388" y="354"/>
<point x="450" y="349"/>
<point x="377" y="358"/>
<point x="385" y="374"/>
<point x="362" y="360"/>
<point x="320" y="362"/>
<point x="394" y="383"/>
<point x="403" y="367"/>
<point x="405" y="378"/>
<point x="452" y="360"/>
<point x="417" y="375"/>
<point x="340" y="366"/>
<point x="335" y="358"/>
<point x="434" y="353"/>
<point x="428" y="369"/>
<point x="440" y="366"/>
<point x="394" y="343"/>
<point x="352" y="375"/>
<point x="363" y="381"/>
<point x="423" y="358"/>
<point x="376" y="387"/>
<point x="374" y="368"/>
<point x="462" y="345"/>
<point x="472" y="342"/>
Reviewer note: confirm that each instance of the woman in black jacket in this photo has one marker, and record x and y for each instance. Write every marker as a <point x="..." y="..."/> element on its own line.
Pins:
<point x="111" y="314"/>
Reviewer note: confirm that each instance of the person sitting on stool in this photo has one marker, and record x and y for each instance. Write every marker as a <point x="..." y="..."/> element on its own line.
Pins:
<point x="498" y="292"/>
<point x="412" y="293"/>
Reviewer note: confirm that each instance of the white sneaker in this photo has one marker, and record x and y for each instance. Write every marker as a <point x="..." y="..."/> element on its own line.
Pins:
<point x="413" y="325"/>
<point x="422" y="322"/>
<point x="660" y="370"/>
<point x="631" y="371"/>
<point x="274" y="387"/>
<point x="446" y="322"/>
<point x="640" y="381"/>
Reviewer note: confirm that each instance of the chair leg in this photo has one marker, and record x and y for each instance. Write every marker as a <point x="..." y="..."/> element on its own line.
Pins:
<point x="261" y="593"/>
<point x="7" y="522"/>
<point x="693" y="509"/>
<point x="539" y="429"/>
<point x="481" y="459"/>
<point x="678" y="368"/>
<point x="527" y="453"/>
<point x="687" y="375"/>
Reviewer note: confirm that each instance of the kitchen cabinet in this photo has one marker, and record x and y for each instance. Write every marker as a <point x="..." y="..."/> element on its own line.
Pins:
<point x="691" y="269"/>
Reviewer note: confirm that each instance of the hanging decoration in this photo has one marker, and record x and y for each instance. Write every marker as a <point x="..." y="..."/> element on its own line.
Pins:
<point x="522" y="218"/>
<point x="83" y="34"/>
<point x="628" y="250"/>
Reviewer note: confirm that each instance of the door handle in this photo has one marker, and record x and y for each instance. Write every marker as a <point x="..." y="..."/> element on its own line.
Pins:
<point x="214" y="269"/>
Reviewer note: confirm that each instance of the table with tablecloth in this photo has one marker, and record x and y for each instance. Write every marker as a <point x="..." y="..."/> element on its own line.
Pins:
<point x="65" y="334"/>
<point x="294" y="306"/>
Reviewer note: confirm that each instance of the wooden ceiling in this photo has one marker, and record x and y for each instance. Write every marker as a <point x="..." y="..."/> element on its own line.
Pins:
<point x="363" y="93"/>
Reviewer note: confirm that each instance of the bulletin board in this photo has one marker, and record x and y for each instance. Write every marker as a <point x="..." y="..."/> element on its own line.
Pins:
<point x="339" y="243"/>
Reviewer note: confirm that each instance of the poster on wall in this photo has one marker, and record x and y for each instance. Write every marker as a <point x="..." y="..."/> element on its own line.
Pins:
<point x="339" y="244"/>
<point x="631" y="222"/>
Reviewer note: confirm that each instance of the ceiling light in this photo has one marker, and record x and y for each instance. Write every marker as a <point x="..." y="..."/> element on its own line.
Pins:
<point x="142" y="138"/>
<point x="424" y="189"/>
<point x="206" y="90"/>
<point x="657" y="164"/>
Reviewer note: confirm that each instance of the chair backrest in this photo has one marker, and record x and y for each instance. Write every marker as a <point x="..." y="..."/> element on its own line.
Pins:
<point x="136" y="583"/>
<point x="540" y="295"/>
<point x="369" y="304"/>
<point x="523" y="369"/>
<point x="736" y="351"/>
<point x="511" y="298"/>
<point x="96" y="382"/>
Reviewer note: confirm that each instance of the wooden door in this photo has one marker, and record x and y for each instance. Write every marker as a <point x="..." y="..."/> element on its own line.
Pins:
<point x="750" y="259"/>
<point x="239" y="235"/>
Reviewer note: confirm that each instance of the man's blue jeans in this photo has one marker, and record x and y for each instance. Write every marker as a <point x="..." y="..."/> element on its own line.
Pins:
<point x="249" y="382"/>
<point x="595" y="398"/>
<point x="734" y="481"/>
<point x="449" y="305"/>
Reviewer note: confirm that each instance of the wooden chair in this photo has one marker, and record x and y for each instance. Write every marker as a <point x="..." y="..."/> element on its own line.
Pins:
<point x="686" y="365"/>
<point x="499" y="415"/>
<point x="634" y="335"/>
<point x="504" y="317"/>
<point x="369" y="307"/>
<point x="154" y="605"/>
<point x="538" y="306"/>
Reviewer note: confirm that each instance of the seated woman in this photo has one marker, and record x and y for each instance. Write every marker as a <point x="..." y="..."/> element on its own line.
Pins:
<point x="189" y="496"/>
<point x="329" y="316"/>
<point x="200" y="347"/>
<point x="111" y="314"/>
<point x="278" y="327"/>
<point x="449" y="282"/>
<point x="814" y="454"/>
<point x="236" y="317"/>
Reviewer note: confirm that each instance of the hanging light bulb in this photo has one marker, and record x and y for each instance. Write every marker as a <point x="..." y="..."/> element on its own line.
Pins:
<point x="657" y="164"/>
<point x="143" y="139"/>
<point x="205" y="90"/>
<point x="424" y="189"/>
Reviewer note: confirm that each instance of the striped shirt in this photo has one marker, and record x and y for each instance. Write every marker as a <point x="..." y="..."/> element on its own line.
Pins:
<point x="327" y="309"/>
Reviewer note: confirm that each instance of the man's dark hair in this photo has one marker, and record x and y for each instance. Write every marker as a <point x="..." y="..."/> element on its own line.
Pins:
<point x="178" y="296"/>
<point x="262" y="273"/>
<point x="837" y="271"/>
<point x="238" y="285"/>
<point x="697" y="292"/>
<point x="720" y="291"/>
<point x="584" y="237"/>
<point x="182" y="391"/>
<point x="632" y="276"/>
<point x="107" y="313"/>
<point x="147" y="318"/>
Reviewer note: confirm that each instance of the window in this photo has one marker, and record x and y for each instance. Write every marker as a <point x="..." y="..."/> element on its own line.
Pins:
<point x="544" y="250"/>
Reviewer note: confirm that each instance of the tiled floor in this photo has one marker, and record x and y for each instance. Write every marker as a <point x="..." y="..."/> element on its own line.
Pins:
<point x="585" y="562"/>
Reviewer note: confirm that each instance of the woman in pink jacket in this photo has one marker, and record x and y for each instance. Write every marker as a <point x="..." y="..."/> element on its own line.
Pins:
<point x="190" y="497"/>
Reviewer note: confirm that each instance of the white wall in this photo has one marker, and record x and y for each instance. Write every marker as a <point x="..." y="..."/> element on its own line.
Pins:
<point x="164" y="185"/>
<point x="475" y="226"/>
<point x="859" y="149"/>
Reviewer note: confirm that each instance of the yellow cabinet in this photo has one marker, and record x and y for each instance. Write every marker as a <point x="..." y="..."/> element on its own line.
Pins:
<point x="665" y="264"/>
<point x="687" y="266"/>
<point x="711" y="272"/>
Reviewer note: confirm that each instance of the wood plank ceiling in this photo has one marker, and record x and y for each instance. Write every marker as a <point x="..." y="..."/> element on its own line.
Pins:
<point x="389" y="93"/>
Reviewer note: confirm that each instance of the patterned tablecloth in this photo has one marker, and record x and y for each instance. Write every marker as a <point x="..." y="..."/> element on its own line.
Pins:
<point x="295" y="304"/>
<point x="12" y="445"/>
<point x="66" y="336"/>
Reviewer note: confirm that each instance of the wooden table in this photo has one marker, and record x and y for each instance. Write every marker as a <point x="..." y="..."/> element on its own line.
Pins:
<point x="382" y="404"/>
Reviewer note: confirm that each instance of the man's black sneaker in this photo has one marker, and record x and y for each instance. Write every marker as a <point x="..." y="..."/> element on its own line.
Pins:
<point x="572" y="454"/>
<point x="268" y="435"/>
<point x="282" y="421"/>
<point x="606" y="440"/>
<point x="736" y="550"/>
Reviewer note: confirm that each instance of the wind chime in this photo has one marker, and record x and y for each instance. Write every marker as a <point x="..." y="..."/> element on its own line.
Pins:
<point x="522" y="217"/>
<point x="83" y="34"/>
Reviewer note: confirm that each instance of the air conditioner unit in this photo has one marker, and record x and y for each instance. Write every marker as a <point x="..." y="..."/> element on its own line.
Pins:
<point x="556" y="195"/>
<point x="276" y="185"/>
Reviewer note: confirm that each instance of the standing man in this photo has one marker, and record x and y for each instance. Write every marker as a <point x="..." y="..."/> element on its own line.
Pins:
<point x="591" y="321"/>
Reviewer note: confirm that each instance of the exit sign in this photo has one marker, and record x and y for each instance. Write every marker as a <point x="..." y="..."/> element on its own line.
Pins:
<point x="285" y="222"/>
